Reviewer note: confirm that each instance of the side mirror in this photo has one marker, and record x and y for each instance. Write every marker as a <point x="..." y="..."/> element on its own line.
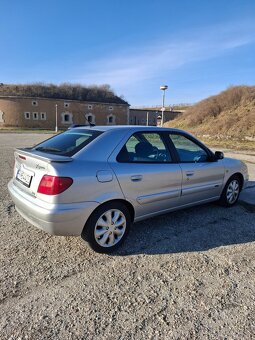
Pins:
<point x="218" y="155"/>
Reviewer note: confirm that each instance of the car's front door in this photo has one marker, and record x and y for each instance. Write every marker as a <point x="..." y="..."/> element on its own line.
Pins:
<point x="202" y="177"/>
<point x="148" y="177"/>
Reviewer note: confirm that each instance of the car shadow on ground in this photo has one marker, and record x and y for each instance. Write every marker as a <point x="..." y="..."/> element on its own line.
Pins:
<point x="250" y="184"/>
<point x="194" y="229"/>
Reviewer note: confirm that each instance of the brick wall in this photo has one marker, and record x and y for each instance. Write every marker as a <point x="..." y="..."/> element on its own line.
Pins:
<point x="40" y="113"/>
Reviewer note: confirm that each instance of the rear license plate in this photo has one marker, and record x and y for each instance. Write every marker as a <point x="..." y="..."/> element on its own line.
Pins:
<point x="24" y="178"/>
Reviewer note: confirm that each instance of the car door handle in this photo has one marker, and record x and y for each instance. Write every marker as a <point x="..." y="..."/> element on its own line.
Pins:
<point x="189" y="174"/>
<point x="136" y="178"/>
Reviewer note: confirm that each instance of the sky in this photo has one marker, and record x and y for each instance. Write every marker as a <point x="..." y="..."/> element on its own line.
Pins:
<point x="196" y="47"/>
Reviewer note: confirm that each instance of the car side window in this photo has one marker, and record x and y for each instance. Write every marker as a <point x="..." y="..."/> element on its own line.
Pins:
<point x="144" y="148"/>
<point x="188" y="151"/>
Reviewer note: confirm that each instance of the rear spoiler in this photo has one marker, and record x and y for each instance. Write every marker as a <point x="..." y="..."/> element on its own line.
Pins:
<point x="46" y="157"/>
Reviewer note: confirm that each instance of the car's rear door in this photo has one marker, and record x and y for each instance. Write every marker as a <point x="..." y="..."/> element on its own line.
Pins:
<point x="202" y="177"/>
<point x="148" y="176"/>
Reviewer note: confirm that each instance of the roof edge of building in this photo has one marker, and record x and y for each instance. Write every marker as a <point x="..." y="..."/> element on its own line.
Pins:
<point x="63" y="99"/>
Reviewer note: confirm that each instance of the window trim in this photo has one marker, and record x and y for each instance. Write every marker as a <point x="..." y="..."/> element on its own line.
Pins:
<point x="113" y="119"/>
<point x="1" y="116"/>
<point x="93" y="120"/>
<point x="35" y="115"/>
<point x="27" y="115"/>
<point x="63" y="121"/>
<point x="41" y="116"/>
<point x="192" y="139"/>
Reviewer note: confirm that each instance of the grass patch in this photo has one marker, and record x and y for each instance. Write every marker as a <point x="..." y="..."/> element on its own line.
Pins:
<point x="231" y="113"/>
<point x="13" y="130"/>
<point x="241" y="145"/>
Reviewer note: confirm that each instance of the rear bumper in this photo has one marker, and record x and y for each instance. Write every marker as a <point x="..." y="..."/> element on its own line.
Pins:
<point x="56" y="219"/>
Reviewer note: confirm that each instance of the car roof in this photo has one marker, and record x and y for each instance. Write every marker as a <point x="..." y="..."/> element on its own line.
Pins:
<point x="126" y="128"/>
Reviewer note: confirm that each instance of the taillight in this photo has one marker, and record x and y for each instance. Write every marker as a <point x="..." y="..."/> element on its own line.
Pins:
<point x="54" y="185"/>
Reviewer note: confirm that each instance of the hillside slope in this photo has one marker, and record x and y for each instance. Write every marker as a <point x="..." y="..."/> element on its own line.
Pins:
<point x="230" y="113"/>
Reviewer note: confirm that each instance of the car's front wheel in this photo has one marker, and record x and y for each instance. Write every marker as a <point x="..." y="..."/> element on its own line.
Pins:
<point x="231" y="191"/>
<point x="107" y="227"/>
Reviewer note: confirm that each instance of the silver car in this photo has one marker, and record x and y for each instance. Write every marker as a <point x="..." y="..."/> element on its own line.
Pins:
<point x="96" y="181"/>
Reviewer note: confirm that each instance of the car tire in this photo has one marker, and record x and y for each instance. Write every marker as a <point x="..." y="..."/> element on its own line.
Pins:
<point x="231" y="191"/>
<point x="107" y="227"/>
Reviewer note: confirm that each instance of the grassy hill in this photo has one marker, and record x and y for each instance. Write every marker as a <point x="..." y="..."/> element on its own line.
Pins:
<point x="230" y="114"/>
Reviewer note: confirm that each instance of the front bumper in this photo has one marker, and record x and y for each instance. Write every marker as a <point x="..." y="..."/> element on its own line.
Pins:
<point x="56" y="219"/>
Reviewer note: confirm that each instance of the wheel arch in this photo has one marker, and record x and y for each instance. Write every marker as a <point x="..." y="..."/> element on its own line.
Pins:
<point x="223" y="198"/>
<point x="126" y="203"/>
<point x="88" y="232"/>
<point x="240" y="176"/>
<point x="118" y="200"/>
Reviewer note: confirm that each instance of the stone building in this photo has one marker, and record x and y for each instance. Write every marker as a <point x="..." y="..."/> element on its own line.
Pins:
<point x="41" y="113"/>
<point x="139" y="116"/>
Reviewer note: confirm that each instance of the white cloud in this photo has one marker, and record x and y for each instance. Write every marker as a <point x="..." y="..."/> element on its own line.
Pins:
<point x="130" y="68"/>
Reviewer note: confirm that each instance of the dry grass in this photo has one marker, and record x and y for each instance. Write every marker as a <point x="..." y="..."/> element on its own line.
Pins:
<point x="233" y="144"/>
<point x="228" y="114"/>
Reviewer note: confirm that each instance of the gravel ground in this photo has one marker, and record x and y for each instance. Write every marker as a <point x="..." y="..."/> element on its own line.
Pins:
<point x="185" y="275"/>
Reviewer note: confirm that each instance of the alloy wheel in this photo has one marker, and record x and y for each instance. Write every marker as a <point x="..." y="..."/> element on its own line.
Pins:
<point x="110" y="228"/>
<point x="233" y="191"/>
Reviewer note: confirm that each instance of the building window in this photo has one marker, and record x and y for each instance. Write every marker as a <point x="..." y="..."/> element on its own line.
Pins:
<point x="110" y="119"/>
<point x="66" y="105"/>
<point x="34" y="103"/>
<point x="67" y="118"/>
<point x="1" y="117"/>
<point x="27" y="115"/>
<point x="43" y="115"/>
<point x="35" y="115"/>
<point x="90" y="107"/>
<point x="110" y="108"/>
<point x="90" y="118"/>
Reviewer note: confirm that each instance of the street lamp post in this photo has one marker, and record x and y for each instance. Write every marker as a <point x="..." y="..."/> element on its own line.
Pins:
<point x="147" y="119"/>
<point x="163" y="88"/>
<point x="159" y="120"/>
<point x="56" y="128"/>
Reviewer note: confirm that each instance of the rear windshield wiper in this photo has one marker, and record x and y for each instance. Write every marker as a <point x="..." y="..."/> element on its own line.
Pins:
<point x="45" y="149"/>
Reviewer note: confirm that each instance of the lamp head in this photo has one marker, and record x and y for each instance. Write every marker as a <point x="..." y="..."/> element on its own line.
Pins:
<point x="163" y="87"/>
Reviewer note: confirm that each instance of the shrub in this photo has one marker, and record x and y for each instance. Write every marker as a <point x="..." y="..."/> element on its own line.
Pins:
<point x="94" y="93"/>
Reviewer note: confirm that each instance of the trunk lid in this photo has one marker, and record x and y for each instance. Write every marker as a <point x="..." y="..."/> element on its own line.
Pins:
<point x="31" y="165"/>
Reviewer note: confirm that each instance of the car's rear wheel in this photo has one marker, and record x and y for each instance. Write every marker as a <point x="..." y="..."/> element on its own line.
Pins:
<point x="107" y="227"/>
<point x="231" y="191"/>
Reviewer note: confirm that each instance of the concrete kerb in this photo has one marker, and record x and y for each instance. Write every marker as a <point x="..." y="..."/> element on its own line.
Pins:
<point x="247" y="197"/>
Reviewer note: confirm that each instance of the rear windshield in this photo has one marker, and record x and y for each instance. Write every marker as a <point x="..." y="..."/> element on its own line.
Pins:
<point x="68" y="143"/>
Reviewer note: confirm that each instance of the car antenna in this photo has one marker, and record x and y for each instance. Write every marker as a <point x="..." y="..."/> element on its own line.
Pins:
<point x="90" y="124"/>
